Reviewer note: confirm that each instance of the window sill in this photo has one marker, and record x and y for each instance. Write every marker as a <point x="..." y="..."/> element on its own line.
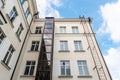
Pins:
<point x="33" y="51"/>
<point x="79" y="50"/>
<point x="5" y="65"/>
<point x="69" y="76"/>
<point x="64" y="50"/>
<point x="27" y="76"/>
<point x="85" y="76"/>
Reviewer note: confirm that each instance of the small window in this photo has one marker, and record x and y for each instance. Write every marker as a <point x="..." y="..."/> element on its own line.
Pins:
<point x="29" y="69"/>
<point x="2" y="19"/>
<point x="8" y="55"/>
<point x="62" y="29"/>
<point x="27" y="12"/>
<point x="38" y="30"/>
<point x="35" y="46"/>
<point x="63" y="45"/>
<point x="82" y="67"/>
<point x="2" y="36"/>
<point x="78" y="45"/>
<point x="65" y="68"/>
<point x="75" y="30"/>
<point x="12" y="15"/>
<point x="22" y="1"/>
<point x="19" y="31"/>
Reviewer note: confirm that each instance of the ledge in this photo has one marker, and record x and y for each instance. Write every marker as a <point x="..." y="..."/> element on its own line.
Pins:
<point x="85" y="76"/>
<point x="79" y="50"/>
<point x="33" y="51"/>
<point x="70" y="76"/>
<point x="64" y="50"/>
<point x="27" y="76"/>
<point x="5" y="65"/>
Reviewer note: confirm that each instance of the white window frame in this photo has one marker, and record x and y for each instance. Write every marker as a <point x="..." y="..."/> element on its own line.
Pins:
<point x="31" y="65"/>
<point x="83" y="68"/>
<point x="63" y="29"/>
<point x="66" y="66"/>
<point x="63" y="45"/>
<point x="8" y="55"/>
<point x="75" y="29"/>
<point x="78" y="45"/>
<point x="35" y="44"/>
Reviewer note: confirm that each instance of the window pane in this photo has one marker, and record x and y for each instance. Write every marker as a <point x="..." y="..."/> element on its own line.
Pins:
<point x="48" y="42"/>
<point x="75" y="29"/>
<point x="62" y="29"/>
<point x="26" y="70"/>
<point x="67" y="70"/>
<point x="62" y="70"/>
<point x="32" y="70"/>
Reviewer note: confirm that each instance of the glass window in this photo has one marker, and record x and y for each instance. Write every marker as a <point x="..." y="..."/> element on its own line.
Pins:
<point x="2" y="19"/>
<point x="82" y="67"/>
<point x="75" y="30"/>
<point x="12" y="15"/>
<point x="27" y="12"/>
<point x="65" y="68"/>
<point x="63" y="45"/>
<point x="35" y="46"/>
<point x="62" y="29"/>
<point x="29" y="69"/>
<point x="38" y="30"/>
<point x="78" y="45"/>
<point x="20" y="29"/>
<point x="8" y="55"/>
<point x="2" y="36"/>
<point x="22" y="1"/>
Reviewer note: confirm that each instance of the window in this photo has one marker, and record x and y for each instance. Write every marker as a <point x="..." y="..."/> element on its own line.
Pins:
<point x="65" y="68"/>
<point x="27" y="12"/>
<point x="75" y="30"/>
<point x="19" y="31"/>
<point x="62" y="29"/>
<point x="22" y="1"/>
<point x="8" y="55"/>
<point x="29" y="69"/>
<point x="78" y="45"/>
<point x="12" y="14"/>
<point x="2" y="36"/>
<point x="38" y="30"/>
<point x="63" y="45"/>
<point x="82" y="67"/>
<point x="35" y="46"/>
<point x="2" y="19"/>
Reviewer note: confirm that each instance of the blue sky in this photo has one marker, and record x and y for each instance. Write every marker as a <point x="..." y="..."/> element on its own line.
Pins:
<point x="106" y="23"/>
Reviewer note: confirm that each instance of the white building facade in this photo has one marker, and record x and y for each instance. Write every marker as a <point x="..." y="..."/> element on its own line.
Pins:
<point x="47" y="48"/>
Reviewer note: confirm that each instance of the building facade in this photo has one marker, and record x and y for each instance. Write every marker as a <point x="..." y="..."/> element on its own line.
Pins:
<point x="47" y="48"/>
<point x="16" y="17"/>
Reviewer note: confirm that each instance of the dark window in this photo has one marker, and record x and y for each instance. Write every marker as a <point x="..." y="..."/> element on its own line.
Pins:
<point x="35" y="46"/>
<point x="8" y="55"/>
<point x="2" y="19"/>
<point x="19" y="31"/>
<point x="2" y="36"/>
<point x="29" y="69"/>
<point x="38" y="30"/>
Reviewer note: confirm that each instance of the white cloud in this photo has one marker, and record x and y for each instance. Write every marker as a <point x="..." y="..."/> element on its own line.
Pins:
<point x="46" y="9"/>
<point x="113" y="62"/>
<point x="110" y="13"/>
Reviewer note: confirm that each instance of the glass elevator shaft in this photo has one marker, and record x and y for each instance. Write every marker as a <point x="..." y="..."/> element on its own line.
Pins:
<point x="45" y="61"/>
